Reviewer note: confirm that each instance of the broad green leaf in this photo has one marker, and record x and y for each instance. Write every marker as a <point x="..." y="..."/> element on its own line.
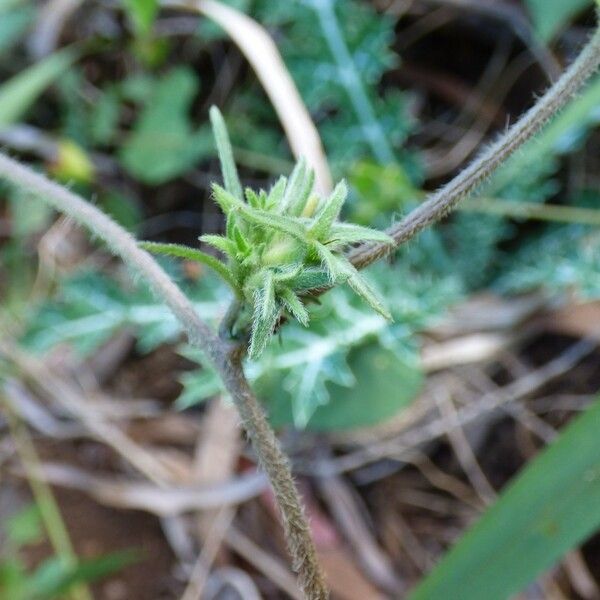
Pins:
<point x="19" y="93"/>
<point x="163" y="144"/>
<point x="552" y="506"/>
<point x="549" y="16"/>
<point x="381" y="386"/>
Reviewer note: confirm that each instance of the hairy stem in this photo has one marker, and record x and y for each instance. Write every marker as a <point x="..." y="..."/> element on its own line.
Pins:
<point x="440" y="203"/>
<point x="225" y="358"/>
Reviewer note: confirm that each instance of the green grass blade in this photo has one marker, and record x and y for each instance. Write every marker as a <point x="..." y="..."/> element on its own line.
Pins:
<point x="551" y="507"/>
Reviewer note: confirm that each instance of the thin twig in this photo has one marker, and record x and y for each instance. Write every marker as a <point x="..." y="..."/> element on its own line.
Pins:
<point x="443" y="201"/>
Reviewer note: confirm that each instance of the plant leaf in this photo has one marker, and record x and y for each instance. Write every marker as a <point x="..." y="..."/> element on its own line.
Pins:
<point x="366" y="292"/>
<point x="550" y="507"/>
<point x="221" y="243"/>
<point x="329" y="212"/>
<point x="348" y="233"/>
<point x="294" y="306"/>
<point x="228" y="168"/>
<point x="180" y="251"/>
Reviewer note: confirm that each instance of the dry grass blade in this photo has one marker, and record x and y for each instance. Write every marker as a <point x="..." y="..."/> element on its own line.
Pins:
<point x="153" y="499"/>
<point x="262" y="53"/>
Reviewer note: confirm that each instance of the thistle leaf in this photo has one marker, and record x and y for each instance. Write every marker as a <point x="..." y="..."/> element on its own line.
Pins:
<point x="294" y="306"/>
<point x="180" y="251"/>
<point x="329" y="212"/>
<point x="228" y="168"/>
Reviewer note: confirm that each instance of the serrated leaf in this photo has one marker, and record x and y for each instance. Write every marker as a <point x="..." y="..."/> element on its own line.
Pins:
<point x="329" y="212"/>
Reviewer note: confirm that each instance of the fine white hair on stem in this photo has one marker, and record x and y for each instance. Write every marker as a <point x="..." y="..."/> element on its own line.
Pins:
<point x="444" y="200"/>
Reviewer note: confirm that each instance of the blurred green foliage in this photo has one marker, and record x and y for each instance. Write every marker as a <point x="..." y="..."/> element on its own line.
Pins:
<point x="52" y="578"/>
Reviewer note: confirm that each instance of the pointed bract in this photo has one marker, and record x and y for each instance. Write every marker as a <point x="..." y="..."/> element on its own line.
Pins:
<point x="228" y="168"/>
<point x="329" y="212"/>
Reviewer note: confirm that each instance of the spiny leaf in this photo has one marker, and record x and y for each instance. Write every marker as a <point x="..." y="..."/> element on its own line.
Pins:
<point x="294" y="305"/>
<point x="180" y="251"/>
<point x="329" y="212"/>
<point x="228" y="168"/>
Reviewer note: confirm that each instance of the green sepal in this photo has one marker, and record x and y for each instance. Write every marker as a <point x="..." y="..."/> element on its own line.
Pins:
<point x="228" y="168"/>
<point x="342" y="234"/>
<point x="185" y="252"/>
<point x="294" y="306"/>
<point x="221" y="243"/>
<point x="329" y="212"/>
